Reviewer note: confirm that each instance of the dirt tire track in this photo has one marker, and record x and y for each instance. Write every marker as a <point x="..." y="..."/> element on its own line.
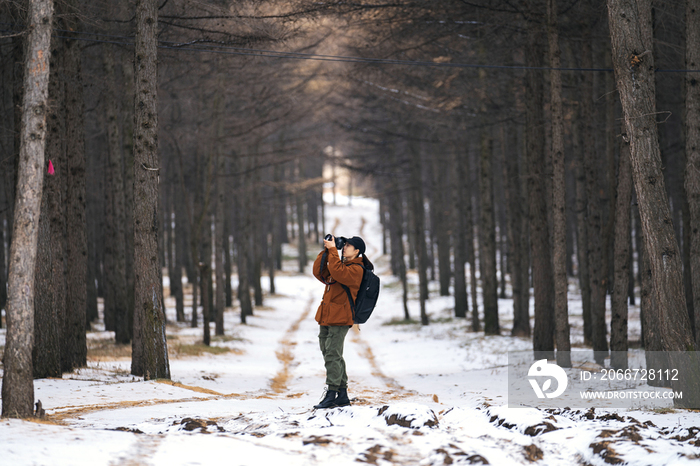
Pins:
<point x="285" y="354"/>
<point x="365" y="350"/>
<point x="278" y="384"/>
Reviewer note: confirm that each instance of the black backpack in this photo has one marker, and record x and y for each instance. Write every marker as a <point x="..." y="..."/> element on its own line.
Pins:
<point x="367" y="296"/>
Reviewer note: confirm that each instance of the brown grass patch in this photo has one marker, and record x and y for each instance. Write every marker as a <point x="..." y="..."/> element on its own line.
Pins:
<point x="225" y="338"/>
<point x="47" y="420"/>
<point x="107" y="350"/>
<point x="285" y="356"/>
<point x="264" y="308"/>
<point x="196" y="349"/>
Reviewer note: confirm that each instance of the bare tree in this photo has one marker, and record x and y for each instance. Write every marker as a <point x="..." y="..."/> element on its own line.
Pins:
<point x="692" y="128"/>
<point x="17" y="381"/>
<point x="623" y="243"/>
<point x="517" y="238"/>
<point x="219" y="217"/>
<point x="633" y="60"/>
<point x="597" y="270"/>
<point x="49" y="278"/>
<point x="543" y="281"/>
<point x="418" y="208"/>
<point x="117" y="220"/>
<point x="74" y="344"/>
<point x="458" y="233"/>
<point x="561" y="307"/>
<point x="149" y="346"/>
<point x="487" y="237"/>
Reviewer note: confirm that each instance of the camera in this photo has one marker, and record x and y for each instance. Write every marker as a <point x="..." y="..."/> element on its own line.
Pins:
<point x="339" y="240"/>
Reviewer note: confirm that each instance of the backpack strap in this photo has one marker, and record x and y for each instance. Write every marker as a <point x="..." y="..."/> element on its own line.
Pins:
<point x="347" y="290"/>
<point x="324" y="258"/>
<point x="352" y="303"/>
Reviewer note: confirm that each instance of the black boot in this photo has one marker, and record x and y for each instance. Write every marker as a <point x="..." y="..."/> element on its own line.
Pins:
<point x="342" y="399"/>
<point x="328" y="401"/>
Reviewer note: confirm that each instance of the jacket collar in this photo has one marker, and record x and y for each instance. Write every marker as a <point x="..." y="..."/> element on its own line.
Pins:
<point x="357" y="260"/>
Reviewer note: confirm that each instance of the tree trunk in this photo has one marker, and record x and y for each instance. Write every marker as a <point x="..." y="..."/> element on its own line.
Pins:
<point x="280" y="220"/>
<point x="241" y="239"/>
<point x="517" y="255"/>
<point x="639" y="247"/>
<point x="630" y="268"/>
<point x="471" y="250"/>
<point x="397" y="246"/>
<point x="650" y="320"/>
<point x="194" y="280"/>
<point x="243" y="282"/>
<point x="74" y="350"/>
<point x="418" y="210"/>
<point x="3" y="273"/>
<point x="49" y="280"/>
<point x="206" y="289"/>
<point x="219" y="247"/>
<point x="685" y="254"/>
<point x="561" y="307"/>
<point x="176" y="254"/>
<point x="459" y="236"/>
<point x="618" y="323"/>
<point x="630" y="32"/>
<point x="91" y="306"/>
<point x="18" y="66"/>
<point x="300" y="225"/>
<point x="596" y="263"/>
<point x="205" y="273"/>
<point x="411" y="233"/>
<point x="107" y="248"/>
<point x="269" y="238"/>
<point x="119" y="304"/>
<point x="692" y="148"/>
<point x="543" y="281"/>
<point x="441" y="228"/>
<point x="196" y="213"/>
<point x="502" y="247"/>
<point x="228" y="262"/>
<point x="487" y="238"/>
<point x="257" y="237"/>
<point x="149" y="346"/>
<point x="582" y="232"/>
<point x="17" y="382"/>
<point x="128" y="120"/>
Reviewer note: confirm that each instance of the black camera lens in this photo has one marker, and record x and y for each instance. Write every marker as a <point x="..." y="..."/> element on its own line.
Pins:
<point x="339" y="240"/>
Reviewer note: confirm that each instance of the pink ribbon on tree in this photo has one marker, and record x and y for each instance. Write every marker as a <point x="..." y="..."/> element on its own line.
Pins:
<point x="51" y="170"/>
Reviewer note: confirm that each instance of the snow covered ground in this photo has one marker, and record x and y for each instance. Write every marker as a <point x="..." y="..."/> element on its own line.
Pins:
<point x="422" y="395"/>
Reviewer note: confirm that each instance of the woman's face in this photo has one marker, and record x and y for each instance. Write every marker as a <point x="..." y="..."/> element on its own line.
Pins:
<point x="350" y="251"/>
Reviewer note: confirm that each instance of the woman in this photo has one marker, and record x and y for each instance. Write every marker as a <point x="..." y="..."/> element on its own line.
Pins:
<point x="334" y="315"/>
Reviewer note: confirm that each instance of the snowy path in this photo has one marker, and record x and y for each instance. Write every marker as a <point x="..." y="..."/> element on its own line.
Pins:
<point x="252" y="405"/>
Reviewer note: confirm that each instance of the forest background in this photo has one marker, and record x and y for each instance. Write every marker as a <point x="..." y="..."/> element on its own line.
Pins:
<point x="499" y="141"/>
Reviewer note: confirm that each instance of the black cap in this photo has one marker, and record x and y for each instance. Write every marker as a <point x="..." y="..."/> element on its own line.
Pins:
<point x="358" y="243"/>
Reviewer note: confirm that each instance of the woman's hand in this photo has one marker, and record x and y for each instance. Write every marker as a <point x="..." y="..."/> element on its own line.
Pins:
<point x="329" y="244"/>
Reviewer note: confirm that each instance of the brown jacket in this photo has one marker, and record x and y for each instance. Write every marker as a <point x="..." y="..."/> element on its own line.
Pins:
<point x="335" y="308"/>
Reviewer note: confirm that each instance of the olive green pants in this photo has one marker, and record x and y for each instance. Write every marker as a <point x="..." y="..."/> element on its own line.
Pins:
<point x="331" y="340"/>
